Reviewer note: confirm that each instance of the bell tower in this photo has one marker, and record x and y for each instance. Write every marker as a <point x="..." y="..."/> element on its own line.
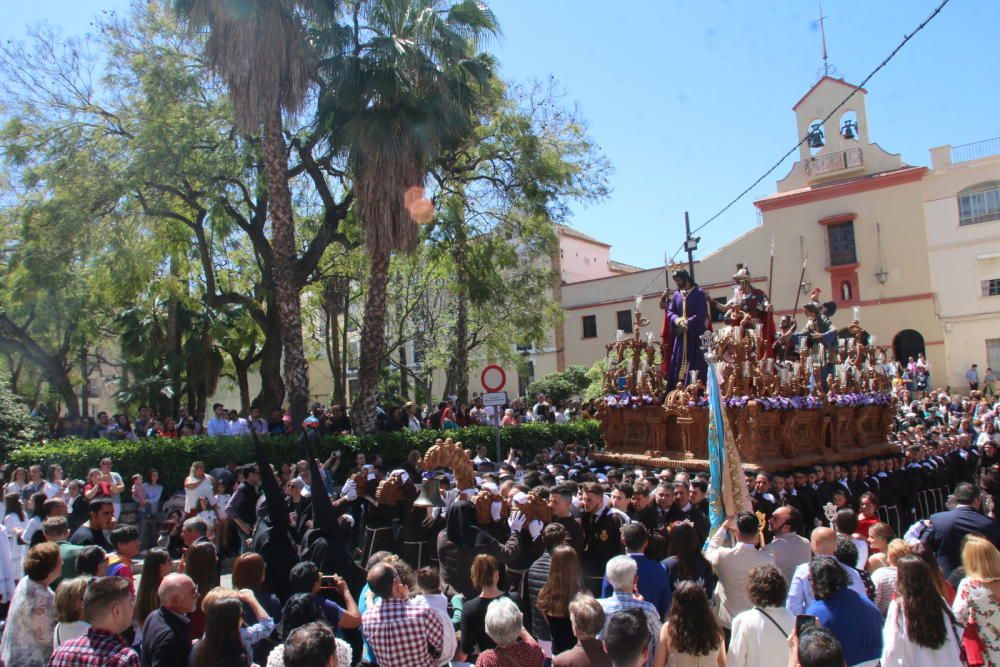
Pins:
<point x="847" y="128"/>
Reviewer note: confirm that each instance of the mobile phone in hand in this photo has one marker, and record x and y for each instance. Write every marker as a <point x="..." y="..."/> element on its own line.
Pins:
<point x="804" y="622"/>
<point x="328" y="582"/>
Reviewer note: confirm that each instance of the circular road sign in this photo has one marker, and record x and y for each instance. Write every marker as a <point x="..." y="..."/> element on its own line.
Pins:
<point x="493" y="378"/>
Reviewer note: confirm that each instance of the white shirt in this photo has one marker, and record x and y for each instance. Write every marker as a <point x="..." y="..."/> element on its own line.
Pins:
<point x="789" y="550"/>
<point x="239" y="427"/>
<point x="439" y="603"/>
<point x="204" y="489"/>
<point x="757" y="642"/>
<point x="800" y="591"/>
<point x="899" y="651"/>
<point x="862" y="546"/>
<point x="66" y="631"/>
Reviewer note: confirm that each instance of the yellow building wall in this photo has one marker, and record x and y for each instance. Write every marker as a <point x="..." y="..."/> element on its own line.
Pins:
<point x="960" y="257"/>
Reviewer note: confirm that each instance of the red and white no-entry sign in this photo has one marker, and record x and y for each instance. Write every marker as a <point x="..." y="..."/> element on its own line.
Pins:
<point x="493" y="378"/>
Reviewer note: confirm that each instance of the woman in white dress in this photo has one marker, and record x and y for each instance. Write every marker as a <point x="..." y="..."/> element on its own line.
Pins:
<point x="14" y="521"/>
<point x="18" y="480"/>
<point x="920" y="630"/>
<point x="198" y="485"/>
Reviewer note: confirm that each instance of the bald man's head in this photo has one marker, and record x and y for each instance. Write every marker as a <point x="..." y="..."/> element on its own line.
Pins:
<point x="824" y="541"/>
<point x="178" y="593"/>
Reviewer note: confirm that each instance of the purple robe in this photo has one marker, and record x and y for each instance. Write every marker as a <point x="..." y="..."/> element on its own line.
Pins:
<point x="686" y="355"/>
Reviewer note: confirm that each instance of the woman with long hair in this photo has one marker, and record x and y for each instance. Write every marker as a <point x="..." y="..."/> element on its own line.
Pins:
<point x="920" y="629"/>
<point x="486" y="578"/>
<point x="691" y="637"/>
<point x="95" y="487"/>
<point x="156" y="565"/>
<point x="946" y="590"/>
<point x="201" y="564"/>
<point x="559" y="590"/>
<point x="977" y="601"/>
<point x="685" y="561"/>
<point x="168" y="429"/>
<point x="18" y="480"/>
<point x="879" y="537"/>
<point x="221" y="645"/>
<point x="37" y="507"/>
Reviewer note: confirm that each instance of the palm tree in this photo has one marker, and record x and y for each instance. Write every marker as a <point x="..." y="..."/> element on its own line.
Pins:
<point x="260" y="50"/>
<point x="401" y="89"/>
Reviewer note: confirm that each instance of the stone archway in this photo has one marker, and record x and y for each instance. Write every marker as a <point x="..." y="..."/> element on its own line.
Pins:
<point x="907" y="343"/>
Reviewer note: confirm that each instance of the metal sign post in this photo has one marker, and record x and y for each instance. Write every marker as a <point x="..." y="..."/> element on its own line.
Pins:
<point x="493" y="378"/>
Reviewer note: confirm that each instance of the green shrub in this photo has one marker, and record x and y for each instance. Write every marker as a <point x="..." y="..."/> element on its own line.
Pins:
<point x="17" y="428"/>
<point x="173" y="457"/>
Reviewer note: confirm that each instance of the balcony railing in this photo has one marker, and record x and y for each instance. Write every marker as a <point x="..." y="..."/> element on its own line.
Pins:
<point x="975" y="151"/>
<point x="832" y="163"/>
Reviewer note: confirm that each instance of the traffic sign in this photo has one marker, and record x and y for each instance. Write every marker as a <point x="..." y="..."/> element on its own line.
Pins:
<point x="495" y="399"/>
<point x="493" y="378"/>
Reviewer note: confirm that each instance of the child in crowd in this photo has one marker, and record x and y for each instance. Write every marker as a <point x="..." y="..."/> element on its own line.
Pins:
<point x="125" y="540"/>
<point x="222" y="496"/>
<point x="429" y="583"/>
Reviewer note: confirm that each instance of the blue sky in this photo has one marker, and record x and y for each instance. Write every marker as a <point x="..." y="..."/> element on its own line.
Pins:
<point x="692" y="100"/>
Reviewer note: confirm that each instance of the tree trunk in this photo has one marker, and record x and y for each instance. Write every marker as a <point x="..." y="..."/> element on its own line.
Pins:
<point x="52" y="367"/>
<point x="272" y="389"/>
<point x="372" y="344"/>
<point x="174" y="342"/>
<point x="333" y="304"/>
<point x="243" y="380"/>
<point x="296" y="366"/>
<point x="404" y="381"/>
<point x="458" y="369"/>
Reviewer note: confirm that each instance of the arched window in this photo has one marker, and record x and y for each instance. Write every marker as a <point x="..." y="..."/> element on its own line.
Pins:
<point x="979" y="203"/>
<point x="907" y="343"/>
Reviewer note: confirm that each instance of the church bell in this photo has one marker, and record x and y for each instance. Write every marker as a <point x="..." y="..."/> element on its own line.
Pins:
<point x="816" y="136"/>
<point x="849" y="130"/>
<point x="430" y="494"/>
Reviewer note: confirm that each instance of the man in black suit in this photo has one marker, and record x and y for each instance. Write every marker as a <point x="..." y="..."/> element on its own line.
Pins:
<point x="949" y="528"/>
<point x="166" y="640"/>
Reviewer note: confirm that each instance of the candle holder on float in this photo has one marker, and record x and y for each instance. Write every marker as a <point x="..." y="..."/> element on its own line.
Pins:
<point x="632" y="374"/>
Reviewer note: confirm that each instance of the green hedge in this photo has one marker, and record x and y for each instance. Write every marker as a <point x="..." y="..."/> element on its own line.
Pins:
<point x="173" y="457"/>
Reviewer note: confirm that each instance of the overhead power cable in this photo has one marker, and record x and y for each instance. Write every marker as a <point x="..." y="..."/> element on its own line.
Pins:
<point x="906" y="38"/>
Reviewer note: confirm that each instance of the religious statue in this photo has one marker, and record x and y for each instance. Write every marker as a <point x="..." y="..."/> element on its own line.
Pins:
<point x="757" y="307"/>
<point x="685" y="320"/>
<point x="784" y="340"/>
<point x="819" y="329"/>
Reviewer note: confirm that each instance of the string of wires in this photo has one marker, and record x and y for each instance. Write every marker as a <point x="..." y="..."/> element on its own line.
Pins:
<point x="906" y="38"/>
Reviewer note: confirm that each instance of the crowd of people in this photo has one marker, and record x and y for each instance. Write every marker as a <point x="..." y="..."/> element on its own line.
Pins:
<point x="331" y="420"/>
<point x="553" y="559"/>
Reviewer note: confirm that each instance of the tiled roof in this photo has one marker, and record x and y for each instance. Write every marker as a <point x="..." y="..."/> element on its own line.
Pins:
<point x="569" y="231"/>
<point x="621" y="267"/>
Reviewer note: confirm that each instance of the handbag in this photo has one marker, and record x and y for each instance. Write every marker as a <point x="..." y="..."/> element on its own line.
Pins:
<point x="972" y="645"/>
